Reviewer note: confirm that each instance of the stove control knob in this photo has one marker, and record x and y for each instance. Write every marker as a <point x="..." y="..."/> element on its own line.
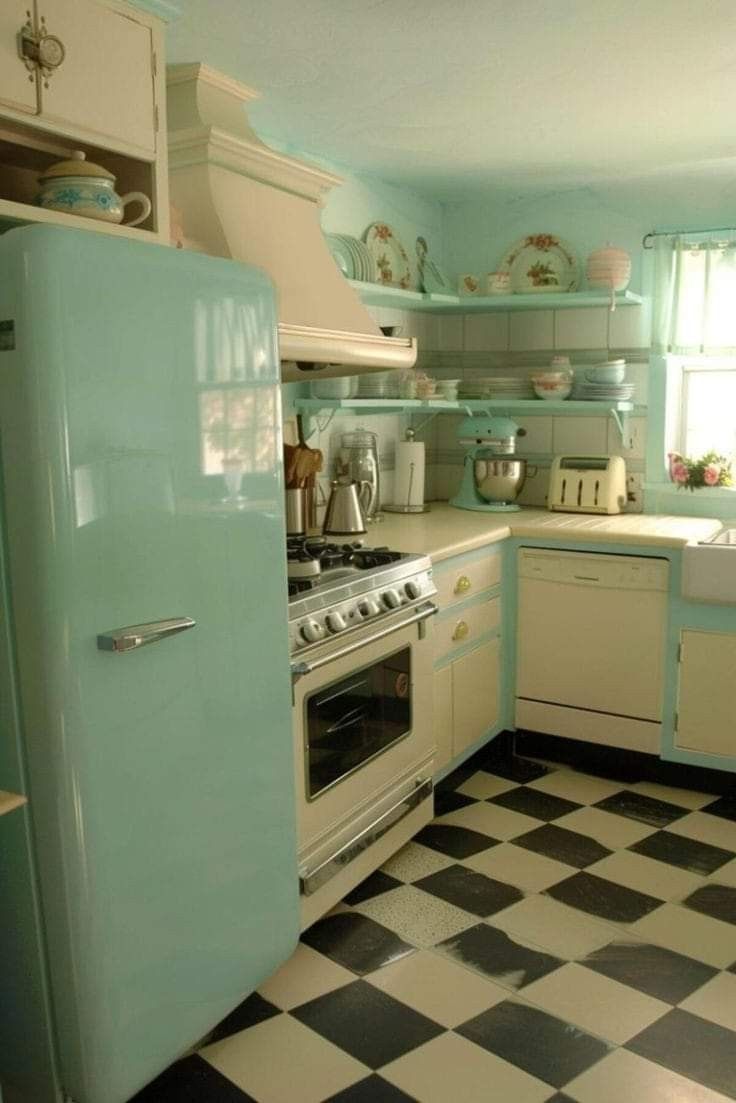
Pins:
<point x="413" y="589"/>
<point x="336" y="622"/>
<point x="391" y="599"/>
<point x="369" y="608"/>
<point x="312" y="631"/>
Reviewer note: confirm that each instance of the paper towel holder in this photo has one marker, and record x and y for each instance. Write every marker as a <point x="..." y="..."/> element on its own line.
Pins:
<point x="400" y="507"/>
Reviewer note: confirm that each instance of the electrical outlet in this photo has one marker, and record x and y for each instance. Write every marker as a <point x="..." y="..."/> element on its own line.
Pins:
<point x="634" y="493"/>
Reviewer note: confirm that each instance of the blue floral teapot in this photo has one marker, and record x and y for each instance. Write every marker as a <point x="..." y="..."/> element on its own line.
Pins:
<point x="78" y="186"/>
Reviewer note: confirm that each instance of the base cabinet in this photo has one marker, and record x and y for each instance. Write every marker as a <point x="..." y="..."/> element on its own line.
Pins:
<point x="706" y="707"/>
<point x="475" y="680"/>
<point x="466" y="696"/>
<point x="442" y="715"/>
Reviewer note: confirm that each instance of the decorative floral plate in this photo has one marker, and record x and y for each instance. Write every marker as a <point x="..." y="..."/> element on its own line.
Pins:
<point x="541" y="263"/>
<point x="392" y="263"/>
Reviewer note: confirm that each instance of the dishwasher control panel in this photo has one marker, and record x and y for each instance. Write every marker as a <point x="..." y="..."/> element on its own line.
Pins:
<point x="620" y="572"/>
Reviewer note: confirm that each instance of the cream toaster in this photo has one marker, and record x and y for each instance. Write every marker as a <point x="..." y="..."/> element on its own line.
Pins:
<point x="587" y="484"/>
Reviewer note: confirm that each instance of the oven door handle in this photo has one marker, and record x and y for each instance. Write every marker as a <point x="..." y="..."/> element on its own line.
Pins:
<point x="423" y="613"/>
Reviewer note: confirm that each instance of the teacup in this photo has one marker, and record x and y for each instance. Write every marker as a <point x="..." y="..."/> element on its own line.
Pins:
<point x="498" y="283"/>
<point x="468" y="284"/>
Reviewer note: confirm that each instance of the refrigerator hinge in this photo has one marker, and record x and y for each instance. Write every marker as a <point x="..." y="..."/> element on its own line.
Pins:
<point x="154" y="63"/>
<point x="155" y="117"/>
<point x="679" y="652"/>
<point x="677" y="721"/>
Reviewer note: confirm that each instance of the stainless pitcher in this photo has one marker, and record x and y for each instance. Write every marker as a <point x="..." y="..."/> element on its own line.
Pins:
<point x="358" y="459"/>
<point x="345" y="514"/>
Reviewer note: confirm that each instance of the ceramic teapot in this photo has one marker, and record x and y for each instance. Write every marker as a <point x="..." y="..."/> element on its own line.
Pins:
<point x="78" y="186"/>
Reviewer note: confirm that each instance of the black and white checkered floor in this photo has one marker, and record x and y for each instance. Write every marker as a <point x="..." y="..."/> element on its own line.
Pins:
<point x="552" y="935"/>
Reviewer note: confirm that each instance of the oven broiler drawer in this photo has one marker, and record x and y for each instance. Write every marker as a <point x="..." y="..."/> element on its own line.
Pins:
<point x="313" y="877"/>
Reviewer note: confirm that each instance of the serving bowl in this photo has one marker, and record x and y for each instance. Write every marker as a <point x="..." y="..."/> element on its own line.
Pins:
<point x="611" y="371"/>
<point x="498" y="479"/>
<point x="552" y="385"/>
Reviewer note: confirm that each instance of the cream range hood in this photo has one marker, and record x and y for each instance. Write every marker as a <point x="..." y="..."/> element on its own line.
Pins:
<point x="242" y="200"/>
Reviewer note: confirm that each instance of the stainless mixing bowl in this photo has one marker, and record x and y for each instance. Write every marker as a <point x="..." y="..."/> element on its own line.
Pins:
<point x="499" y="480"/>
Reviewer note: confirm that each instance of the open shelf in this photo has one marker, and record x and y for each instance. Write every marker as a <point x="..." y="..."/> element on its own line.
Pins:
<point x="26" y="153"/>
<point x="535" y="406"/>
<point x="376" y="294"/>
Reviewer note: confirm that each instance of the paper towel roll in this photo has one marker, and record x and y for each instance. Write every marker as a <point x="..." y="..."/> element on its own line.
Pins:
<point x="409" y="477"/>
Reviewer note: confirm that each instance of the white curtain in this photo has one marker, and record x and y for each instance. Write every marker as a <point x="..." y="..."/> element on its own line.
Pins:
<point x="695" y="299"/>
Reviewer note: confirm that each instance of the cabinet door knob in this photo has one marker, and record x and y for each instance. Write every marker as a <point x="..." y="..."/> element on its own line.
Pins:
<point x="462" y="630"/>
<point x="463" y="584"/>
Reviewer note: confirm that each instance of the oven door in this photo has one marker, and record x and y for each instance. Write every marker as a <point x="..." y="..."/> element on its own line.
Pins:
<point x="362" y="723"/>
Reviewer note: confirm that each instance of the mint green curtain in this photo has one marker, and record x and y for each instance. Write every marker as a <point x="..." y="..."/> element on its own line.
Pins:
<point x="695" y="295"/>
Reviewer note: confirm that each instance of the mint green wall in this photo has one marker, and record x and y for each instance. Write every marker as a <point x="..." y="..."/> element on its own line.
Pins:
<point x="363" y="199"/>
<point x="478" y="232"/>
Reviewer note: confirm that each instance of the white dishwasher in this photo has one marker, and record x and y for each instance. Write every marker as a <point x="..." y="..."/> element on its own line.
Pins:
<point x="590" y="646"/>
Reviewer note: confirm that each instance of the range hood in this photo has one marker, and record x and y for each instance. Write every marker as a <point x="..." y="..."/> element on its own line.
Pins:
<point x="240" y="199"/>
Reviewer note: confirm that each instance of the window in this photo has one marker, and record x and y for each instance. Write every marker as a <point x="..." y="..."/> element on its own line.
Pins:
<point x="708" y="410"/>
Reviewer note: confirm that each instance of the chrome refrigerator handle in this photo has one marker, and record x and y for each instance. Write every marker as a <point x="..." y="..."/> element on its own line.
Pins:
<point x="138" y="635"/>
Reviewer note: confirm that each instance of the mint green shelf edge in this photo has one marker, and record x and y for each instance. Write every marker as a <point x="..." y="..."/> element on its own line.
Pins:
<point x="533" y="406"/>
<point x="375" y="294"/>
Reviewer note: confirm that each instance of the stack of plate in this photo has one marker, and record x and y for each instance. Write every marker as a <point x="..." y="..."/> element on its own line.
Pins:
<point x="352" y="257"/>
<point x="603" y="392"/>
<point x="379" y="384"/>
<point x="508" y="387"/>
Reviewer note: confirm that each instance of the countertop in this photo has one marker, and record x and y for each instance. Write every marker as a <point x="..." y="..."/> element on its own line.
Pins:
<point x="446" y="531"/>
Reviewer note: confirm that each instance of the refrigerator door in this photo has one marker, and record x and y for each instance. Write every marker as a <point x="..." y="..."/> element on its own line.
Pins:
<point x="140" y="425"/>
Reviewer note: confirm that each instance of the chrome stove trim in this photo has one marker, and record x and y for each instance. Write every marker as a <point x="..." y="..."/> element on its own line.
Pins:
<point x="422" y="613"/>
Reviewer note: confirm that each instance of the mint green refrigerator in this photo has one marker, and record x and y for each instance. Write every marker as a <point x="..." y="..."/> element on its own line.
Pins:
<point x="150" y="883"/>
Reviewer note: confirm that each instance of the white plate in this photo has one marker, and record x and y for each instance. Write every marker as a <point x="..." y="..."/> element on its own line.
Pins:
<point x="389" y="256"/>
<point x="541" y="263"/>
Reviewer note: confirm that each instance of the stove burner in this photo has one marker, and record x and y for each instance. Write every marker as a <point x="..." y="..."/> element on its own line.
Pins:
<point x="303" y="548"/>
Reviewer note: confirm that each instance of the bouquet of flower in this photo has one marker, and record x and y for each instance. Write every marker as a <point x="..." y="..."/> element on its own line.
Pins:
<point x="710" y="470"/>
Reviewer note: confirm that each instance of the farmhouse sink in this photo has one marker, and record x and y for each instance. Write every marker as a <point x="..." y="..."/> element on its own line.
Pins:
<point x="709" y="569"/>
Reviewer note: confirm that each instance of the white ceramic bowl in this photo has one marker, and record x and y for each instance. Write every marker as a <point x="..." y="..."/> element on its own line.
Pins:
<point x="613" y="372"/>
<point x="550" y="388"/>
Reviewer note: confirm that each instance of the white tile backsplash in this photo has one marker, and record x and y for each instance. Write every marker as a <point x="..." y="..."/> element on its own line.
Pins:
<point x="530" y="330"/>
<point x="581" y="329"/>
<point x="450" y="333"/>
<point x="534" y="492"/>
<point x="629" y="327"/>
<point x="634" y="444"/>
<point x="486" y="332"/>
<point x="580" y="435"/>
<point x="538" y="438"/>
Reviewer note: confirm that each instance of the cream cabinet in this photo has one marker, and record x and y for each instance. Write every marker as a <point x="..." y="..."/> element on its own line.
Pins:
<point x="467" y="653"/>
<point x="87" y="75"/>
<point x="18" y="85"/>
<point x="706" y="706"/>
<point x="99" y="84"/>
<point x="475" y="684"/>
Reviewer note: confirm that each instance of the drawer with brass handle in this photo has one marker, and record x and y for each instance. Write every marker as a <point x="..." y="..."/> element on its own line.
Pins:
<point x="452" y="632"/>
<point x="455" y="584"/>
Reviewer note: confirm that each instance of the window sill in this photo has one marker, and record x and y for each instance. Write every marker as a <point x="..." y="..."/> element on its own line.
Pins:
<point x="723" y="492"/>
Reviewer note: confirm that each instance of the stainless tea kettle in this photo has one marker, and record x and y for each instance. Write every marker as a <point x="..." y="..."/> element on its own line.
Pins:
<point x="345" y="514"/>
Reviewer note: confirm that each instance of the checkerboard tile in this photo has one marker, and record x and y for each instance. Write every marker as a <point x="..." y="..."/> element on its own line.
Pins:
<point x="596" y="915"/>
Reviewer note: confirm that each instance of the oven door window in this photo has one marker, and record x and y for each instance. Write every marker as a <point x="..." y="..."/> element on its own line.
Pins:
<point x="351" y="721"/>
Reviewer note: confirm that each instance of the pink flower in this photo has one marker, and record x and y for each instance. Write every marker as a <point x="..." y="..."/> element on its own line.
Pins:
<point x="679" y="472"/>
<point x="712" y="474"/>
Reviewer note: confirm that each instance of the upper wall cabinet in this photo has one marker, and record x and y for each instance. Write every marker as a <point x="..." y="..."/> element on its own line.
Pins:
<point x="83" y="75"/>
<point x="89" y="71"/>
<point x="18" y="86"/>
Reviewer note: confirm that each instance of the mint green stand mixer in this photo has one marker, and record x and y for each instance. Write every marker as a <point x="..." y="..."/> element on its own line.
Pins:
<point x="493" y="476"/>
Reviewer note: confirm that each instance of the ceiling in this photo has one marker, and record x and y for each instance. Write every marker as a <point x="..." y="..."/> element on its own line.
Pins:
<point x="481" y="95"/>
